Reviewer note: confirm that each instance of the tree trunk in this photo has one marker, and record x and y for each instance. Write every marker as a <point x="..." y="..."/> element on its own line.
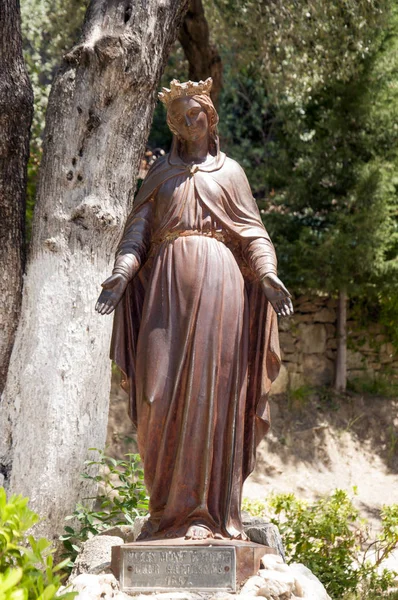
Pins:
<point x="203" y="58"/>
<point x="340" y="383"/>
<point x="100" y="109"/>
<point x="16" y="110"/>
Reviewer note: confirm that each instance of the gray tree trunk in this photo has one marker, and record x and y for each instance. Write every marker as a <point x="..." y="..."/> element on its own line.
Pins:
<point x="202" y="56"/>
<point x="340" y="382"/>
<point x="55" y="403"/>
<point x="16" y="110"/>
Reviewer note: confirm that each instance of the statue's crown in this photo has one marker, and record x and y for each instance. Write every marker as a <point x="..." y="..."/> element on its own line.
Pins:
<point x="189" y="88"/>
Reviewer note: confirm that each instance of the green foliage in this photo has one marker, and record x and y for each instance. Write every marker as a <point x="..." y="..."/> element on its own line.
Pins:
<point x="27" y="571"/>
<point x="388" y="311"/>
<point x="298" y="398"/>
<point x="255" y="508"/>
<point x="122" y="497"/>
<point x="309" y="108"/>
<point x="299" y="46"/>
<point x="376" y="385"/>
<point x="329" y="537"/>
<point x="49" y="29"/>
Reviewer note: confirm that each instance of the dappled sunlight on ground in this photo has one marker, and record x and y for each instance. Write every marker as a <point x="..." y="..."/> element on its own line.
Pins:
<point x="317" y="445"/>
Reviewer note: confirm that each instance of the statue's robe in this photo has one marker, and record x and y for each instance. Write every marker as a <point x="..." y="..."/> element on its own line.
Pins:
<point x="197" y="340"/>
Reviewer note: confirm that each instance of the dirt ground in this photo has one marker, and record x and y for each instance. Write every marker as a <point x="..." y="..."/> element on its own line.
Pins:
<point x="317" y="443"/>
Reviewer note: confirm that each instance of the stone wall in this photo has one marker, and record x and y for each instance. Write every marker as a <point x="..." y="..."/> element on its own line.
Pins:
<point x="308" y="344"/>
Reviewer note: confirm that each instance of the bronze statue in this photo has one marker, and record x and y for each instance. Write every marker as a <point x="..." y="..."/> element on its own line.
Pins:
<point x="195" y="329"/>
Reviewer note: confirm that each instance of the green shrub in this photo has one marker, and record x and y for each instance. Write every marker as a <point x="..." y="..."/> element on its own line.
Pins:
<point x="331" y="539"/>
<point x="255" y="508"/>
<point x="122" y="497"/>
<point x="378" y="385"/>
<point x="27" y="571"/>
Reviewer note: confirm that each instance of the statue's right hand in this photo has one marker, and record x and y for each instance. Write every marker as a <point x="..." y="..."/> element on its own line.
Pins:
<point x="113" y="290"/>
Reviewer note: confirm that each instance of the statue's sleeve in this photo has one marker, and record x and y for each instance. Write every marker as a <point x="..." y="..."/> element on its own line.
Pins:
<point x="135" y="243"/>
<point x="248" y="228"/>
<point x="260" y="256"/>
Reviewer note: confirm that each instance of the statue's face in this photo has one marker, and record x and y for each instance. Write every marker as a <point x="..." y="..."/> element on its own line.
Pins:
<point x="189" y="119"/>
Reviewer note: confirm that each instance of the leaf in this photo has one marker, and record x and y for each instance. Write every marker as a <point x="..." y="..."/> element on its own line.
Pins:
<point x="69" y="530"/>
<point x="48" y="593"/>
<point x="61" y="565"/>
<point x="10" y="579"/>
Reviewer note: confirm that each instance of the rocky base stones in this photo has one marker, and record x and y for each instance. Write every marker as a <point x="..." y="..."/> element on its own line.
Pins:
<point x="261" y="532"/>
<point x="275" y="580"/>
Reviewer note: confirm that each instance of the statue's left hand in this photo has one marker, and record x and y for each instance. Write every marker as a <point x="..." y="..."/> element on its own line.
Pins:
<point x="277" y="295"/>
<point x="113" y="289"/>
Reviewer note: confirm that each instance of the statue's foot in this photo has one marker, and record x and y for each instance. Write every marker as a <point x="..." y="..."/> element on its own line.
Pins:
<point x="237" y="535"/>
<point x="198" y="532"/>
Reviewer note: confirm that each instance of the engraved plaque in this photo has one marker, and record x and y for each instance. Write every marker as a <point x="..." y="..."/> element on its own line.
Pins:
<point x="166" y="568"/>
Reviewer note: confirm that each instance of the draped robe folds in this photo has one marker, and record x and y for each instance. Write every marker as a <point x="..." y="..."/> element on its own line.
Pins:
<point x="197" y="341"/>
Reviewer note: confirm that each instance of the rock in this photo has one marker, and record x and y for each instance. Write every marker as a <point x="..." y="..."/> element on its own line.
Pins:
<point x="281" y="383"/>
<point x="126" y="532"/>
<point x="318" y="369"/>
<point x="286" y="582"/>
<point x="285" y="325"/>
<point x="354" y="374"/>
<point x="331" y="344"/>
<point x="301" y="318"/>
<point x="330" y="330"/>
<point x="124" y="596"/>
<point x="312" y="338"/>
<point x="375" y="367"/>
<point x="295" y="358"/>
<point x="380" y="338"/>
<point x="267" y="534"/>
<point x="252" y="585"/>
<point x="223" y="596"/>
<point x="307" y="307"/>
<point x="95" y="587"/>
<point x="297" y="380"/>
<point x="385" y="360"/>
<point x="325" y="315"/>
<point x="318" y="300"/>
<point x="387" y="353"/>
<point x="286" y="341"/>
<point x="301" y="299"/>
<point x="374" y="328"/>
<point x="355" y="360"/>
<point x="332" y="303"/>
<point x="138" y="525"/>
<point x="311" y="586"/>
<point x="273" y="561"/>
<point x="95" y="556"/>
<point x="278" y="585"/>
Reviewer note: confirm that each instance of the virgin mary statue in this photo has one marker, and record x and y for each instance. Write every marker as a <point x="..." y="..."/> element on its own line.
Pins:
<point x="195" y="329"/>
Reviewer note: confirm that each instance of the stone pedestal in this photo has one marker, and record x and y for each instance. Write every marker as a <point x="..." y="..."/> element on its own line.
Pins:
<point x="173" y="565"/>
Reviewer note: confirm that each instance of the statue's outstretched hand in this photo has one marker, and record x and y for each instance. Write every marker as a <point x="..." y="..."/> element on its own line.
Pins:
<point x="277" y="295"/>
<point x="113" y="289"/>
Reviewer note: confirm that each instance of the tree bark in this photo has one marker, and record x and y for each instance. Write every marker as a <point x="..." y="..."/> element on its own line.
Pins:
<point x="202" y="56"/>
<point x="100" y="109"/>
<point x="16" y="110"/>
<point x="340" y="383"/>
